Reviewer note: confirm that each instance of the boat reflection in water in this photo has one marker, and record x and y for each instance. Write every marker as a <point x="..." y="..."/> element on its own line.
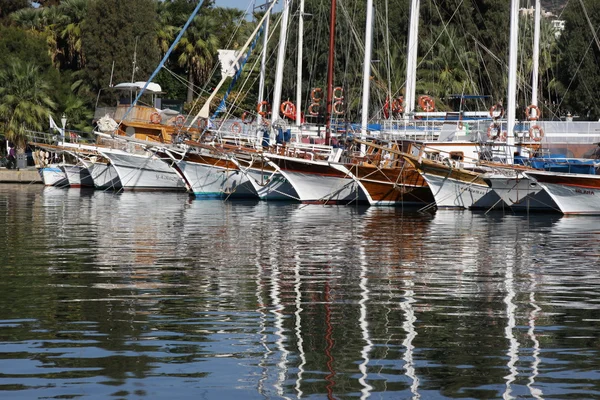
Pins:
<point x="132" y="292"/>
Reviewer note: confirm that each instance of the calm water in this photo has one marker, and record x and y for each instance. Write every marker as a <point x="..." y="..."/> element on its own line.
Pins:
<point x="153" y="295"/>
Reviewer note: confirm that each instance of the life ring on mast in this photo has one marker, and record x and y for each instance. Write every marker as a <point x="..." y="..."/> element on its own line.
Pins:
<point x="288" y="109"/>
<point x="236" y="127"/>
<point x="500" y="110"/>
<point x="155" y="118"/>
<point x="336" y="110"/>
<point x="398" y="105"/>
<point x="427" y="104"/>
<point x="341" y="93"/>
<point x="313" y="95"/>
<point x="263" y="111"/>
<point x="533" y="136"/>
<point x="248" y="118"/>
<point x="202" y="123"/>
<point x="529" y="115"/>
<point x="179" y="120"/>
<point x="311" y="109"/>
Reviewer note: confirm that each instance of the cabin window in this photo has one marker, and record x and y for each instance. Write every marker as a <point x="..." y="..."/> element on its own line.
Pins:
<point x="457" y="155"/>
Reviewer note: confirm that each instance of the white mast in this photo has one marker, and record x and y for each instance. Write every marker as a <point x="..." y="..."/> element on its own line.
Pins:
<point x="512" y="72"/>
<point x="411" y="61"/>
<point x="263" y="65"/>
<point x="299" y="72"/>
<point x="366" y="72"/>
<point x="536" y="56"/>
<point x="280" y="60"/>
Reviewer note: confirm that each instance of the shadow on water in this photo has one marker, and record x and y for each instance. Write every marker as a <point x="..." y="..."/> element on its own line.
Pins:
<point x="148" y="294"/>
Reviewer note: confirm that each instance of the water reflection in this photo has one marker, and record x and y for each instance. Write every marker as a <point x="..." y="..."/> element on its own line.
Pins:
<point x="153" y="295"/>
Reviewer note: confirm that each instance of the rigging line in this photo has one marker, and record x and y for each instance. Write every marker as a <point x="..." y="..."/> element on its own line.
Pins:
<point x="164" y="60"/>
<point x="438" y="38"/>
<point x="215" y="66"/>
<point x="273" y="52"/>
<point x="583" y="81"/>
<point x="587" y="17"/>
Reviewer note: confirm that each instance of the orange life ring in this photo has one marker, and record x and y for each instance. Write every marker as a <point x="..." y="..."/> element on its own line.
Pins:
<point x="313" y="95"/>
<point x="236" y="127"/>
<point x="202" y="124"/>
<point x="427" y="104"/>
<point x="528" y="114"/>
<point x="335" y="93"/>
<point x="493" y="110"/>
<point x="259" y="108"/>
<point x="179" y="120"/>
<point x="311" y="109"/>
<point x="533" y="136"/>
<point x="288" y="109"/>
<point x="397" y="105"/>
<point x="339" y="103"/>
<point x="247" y="118"/>
<point x="155" y="118"/>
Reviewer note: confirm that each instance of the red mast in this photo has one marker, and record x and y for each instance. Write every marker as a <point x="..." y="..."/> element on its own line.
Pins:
<point x="330" y="72"/>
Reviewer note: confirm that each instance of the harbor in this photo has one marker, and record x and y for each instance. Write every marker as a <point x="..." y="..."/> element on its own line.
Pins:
<point x="106" y="294"/>
<point x="305" y="199"/>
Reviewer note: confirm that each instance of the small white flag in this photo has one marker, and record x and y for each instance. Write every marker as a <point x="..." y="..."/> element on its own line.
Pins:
<point x="56" y="127"/>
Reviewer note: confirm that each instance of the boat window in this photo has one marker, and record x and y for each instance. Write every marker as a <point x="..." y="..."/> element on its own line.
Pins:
<point x="457" y="155"/>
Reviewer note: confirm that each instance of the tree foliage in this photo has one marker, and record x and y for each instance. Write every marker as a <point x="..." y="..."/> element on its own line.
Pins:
<point x="25" y="100"/>
<point x="122" y="34"/>
<point x="578" y="69"/>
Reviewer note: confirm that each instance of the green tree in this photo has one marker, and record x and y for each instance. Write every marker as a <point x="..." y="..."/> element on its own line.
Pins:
<point x="10" y="6"/>
<point x="25" y="100"/>
<point x="198" y="51"/>
<point x="578" y="70"/>
<point x="128" y="34"/>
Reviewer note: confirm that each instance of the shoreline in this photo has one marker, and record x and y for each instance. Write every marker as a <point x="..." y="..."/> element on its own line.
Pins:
<point x="24" y="175"/>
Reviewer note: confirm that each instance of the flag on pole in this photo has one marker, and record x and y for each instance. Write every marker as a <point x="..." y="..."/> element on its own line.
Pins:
<point x="53" y="126"/>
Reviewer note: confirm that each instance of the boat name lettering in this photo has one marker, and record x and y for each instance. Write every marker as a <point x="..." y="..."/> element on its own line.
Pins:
<point x="583" y="191"/>
<point x="167" y="178"/>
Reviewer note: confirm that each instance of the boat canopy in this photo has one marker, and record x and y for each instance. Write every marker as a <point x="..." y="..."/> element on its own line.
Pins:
<point x="153" y="88"/>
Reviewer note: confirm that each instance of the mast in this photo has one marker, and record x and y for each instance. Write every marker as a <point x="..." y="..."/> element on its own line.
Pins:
<point x="536" y="55"/>
<point x="280" y="61"/>
<point x="330" y="71"/>
<point x="299" y="72"/>
<point x="512" y="72"/>
<point x="411" y="61"/>
<point x="263" y="65"/>
<point x="204" y="111"/>
<point x="366" y="72"/>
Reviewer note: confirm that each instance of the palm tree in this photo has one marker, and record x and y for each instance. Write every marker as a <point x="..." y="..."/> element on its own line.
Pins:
<point x="75" y="11"/>
<point x="198" y="49"/>
<point x="25" y="100"/>
<point x="448" y="67"/>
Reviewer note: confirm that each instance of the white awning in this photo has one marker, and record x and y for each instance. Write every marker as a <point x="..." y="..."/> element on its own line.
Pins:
<point x="152" y="87"/>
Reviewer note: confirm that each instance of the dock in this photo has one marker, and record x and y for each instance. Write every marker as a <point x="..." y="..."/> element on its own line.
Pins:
<point x="24" y="175"/>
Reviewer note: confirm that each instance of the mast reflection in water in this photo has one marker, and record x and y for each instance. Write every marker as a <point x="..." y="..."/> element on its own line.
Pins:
<point x="154" y="295"/>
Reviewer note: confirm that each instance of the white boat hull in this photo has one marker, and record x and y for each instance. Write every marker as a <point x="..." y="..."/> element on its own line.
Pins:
<point x="105" y="176"/>
<point x="521" y="193"/>
<point x="143" y="171"/>
<point x="53" y="175"/>
<point x="271" y="186"/>
<point x="78" y="176"/>
<point x="210" y="181"/>
<point x="452" y="193"/>
<point x="573" y="193"/>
